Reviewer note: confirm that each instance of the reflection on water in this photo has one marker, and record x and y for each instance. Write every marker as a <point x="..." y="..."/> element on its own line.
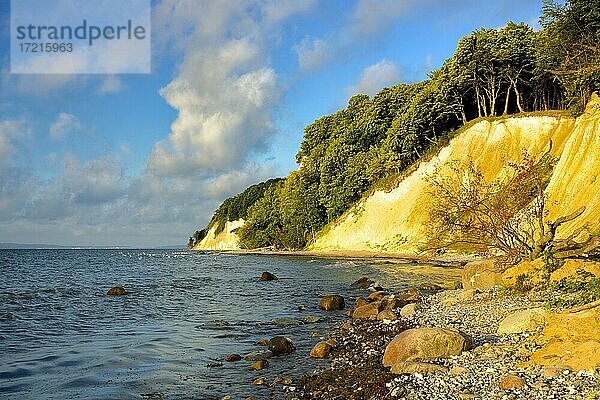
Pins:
<point x="62" y="337"/>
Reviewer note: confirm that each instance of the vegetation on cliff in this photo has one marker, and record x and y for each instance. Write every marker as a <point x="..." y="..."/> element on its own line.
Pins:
<point x="493" y="72"/>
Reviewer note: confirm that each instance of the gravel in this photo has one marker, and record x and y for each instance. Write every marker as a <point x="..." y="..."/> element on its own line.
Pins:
<point x="356" y="373"/>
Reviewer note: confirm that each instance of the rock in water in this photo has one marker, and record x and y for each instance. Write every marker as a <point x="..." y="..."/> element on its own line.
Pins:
<point x="116" y="291"/>
<point x="233" y="357"/>
<point x="333" y="302"/>
<point x="425" y="344"/>
<point x="260" y="364"/>
<point x="281" y="345"/>
<point x="267" y="276"/>
<point x="362" y="283"/>
<point x="321" y="350"/>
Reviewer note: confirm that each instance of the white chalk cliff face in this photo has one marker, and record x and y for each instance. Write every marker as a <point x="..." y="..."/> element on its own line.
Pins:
<point x="225" y="240"/>
<point x="393" y="221"/>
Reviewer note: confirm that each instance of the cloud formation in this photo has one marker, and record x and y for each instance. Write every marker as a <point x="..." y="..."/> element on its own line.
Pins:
<point x="65" y="124"/>
<point x="225" y="92"/>
<point x="374" y="77"/>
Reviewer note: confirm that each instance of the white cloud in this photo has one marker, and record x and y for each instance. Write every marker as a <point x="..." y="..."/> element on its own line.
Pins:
<point x="111" y="84"/>
<point x="375" y="77"/>
<point x="312" y="53"/>
<point x="65" y="124"/>
<point x="225" y="92"/>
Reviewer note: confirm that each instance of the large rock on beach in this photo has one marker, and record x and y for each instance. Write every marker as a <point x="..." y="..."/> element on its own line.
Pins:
<point x="425" y="344"/>
<point x="267" y="276"/>
<point x="332" y="302"/>
<point x="116" y="291"/>
<point x="481" y="275"/>
<point x="387" y="315"/>
<point x="409" y="310"/>
<point x="524" y="321"/>
<point x="368" y="310"/>
<point x="281" y="345"/>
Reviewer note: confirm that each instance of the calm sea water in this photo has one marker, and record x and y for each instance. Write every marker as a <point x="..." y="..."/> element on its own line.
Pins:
<point x="61" y="337"/>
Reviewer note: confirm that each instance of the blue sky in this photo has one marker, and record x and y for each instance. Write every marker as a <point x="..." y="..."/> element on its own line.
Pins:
<point x="144" y="160"/>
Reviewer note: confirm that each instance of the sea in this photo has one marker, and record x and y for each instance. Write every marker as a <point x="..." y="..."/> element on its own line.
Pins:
<point x="62" y="337"/>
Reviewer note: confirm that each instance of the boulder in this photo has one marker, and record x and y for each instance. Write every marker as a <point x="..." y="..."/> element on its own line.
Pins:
<point x="377" y="296"/>
<point x="332" y="302"/>
<point x="511" y="381"/>
<point x="262" y="342"/>
<point x="362" y="283"/>
<point x="116" y="291"/>
<point x="523" y="321"/>
<point x="260" y="364"/>
<point x="257" y="356"/>
<point x="387" y="315"/>
<point x="424" y="344"/>
<point x="321" y="350"/>
<point x="267" y="276"/>
<point x="361" y="301"/>
<point x="409" y="310"/>
<point x="391" y="302"/>
<point x="414" y="367"/>
<point x="481" y="275"/>
<point x="281" y="345"/>
<point x="233" y="357"/>
<point x="368" y="310"/>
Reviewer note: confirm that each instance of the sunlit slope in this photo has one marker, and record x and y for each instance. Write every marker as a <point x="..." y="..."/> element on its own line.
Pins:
<point x="576" y="178"/>
<point x="225" y="240"/>
<point x="394" y="221"/>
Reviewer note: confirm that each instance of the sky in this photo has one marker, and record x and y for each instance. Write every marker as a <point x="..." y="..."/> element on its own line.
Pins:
<point x="143" y="160"/>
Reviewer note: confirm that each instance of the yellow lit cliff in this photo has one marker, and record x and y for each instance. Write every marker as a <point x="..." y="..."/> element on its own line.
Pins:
<point x="393" y="221"/>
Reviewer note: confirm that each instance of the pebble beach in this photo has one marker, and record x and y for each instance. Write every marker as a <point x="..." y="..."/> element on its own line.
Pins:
<point x="494" y="368"/>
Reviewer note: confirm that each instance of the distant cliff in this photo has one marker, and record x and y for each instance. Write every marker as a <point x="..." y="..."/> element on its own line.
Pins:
<point x="393" y="221"/>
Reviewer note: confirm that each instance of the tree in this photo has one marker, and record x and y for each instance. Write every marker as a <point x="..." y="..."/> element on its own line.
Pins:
<point x="572" y="39"/>
<point x="506" y="215"/>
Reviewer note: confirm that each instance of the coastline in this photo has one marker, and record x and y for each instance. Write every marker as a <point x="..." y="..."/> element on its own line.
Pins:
<point x="455" y="261"/>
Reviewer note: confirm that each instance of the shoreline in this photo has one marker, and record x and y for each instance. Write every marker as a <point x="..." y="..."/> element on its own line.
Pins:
<point x="456" y="261"/>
